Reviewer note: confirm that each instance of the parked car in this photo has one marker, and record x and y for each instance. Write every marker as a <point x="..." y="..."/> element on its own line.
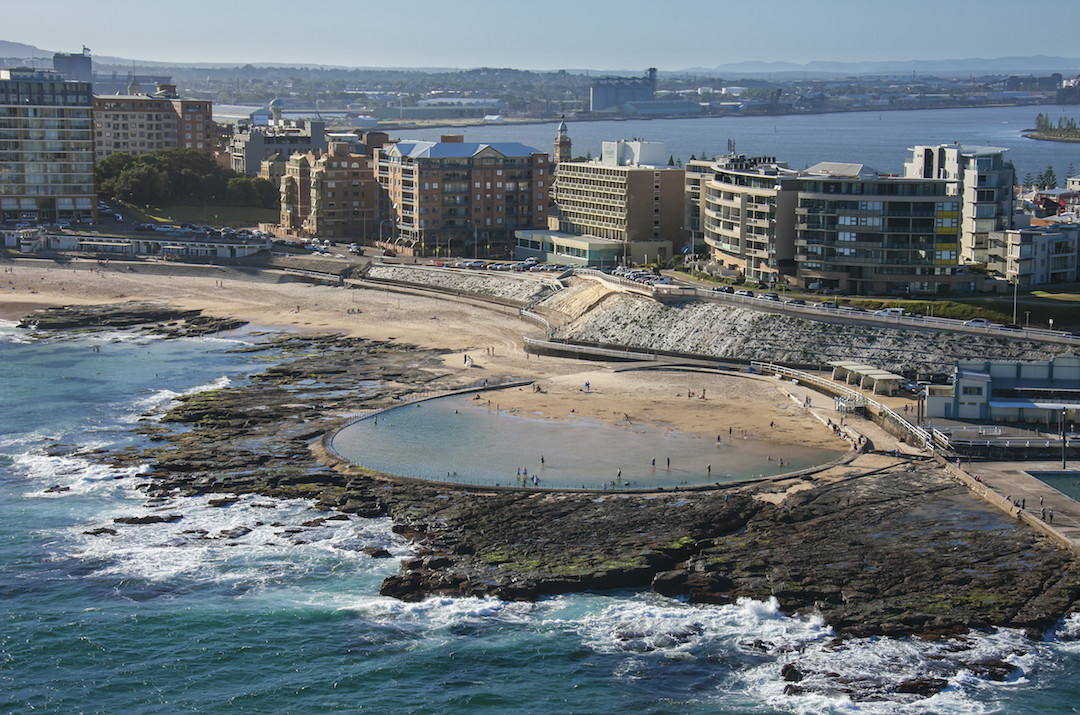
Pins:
<point x="770" y="296"/>
<point x="724" y="289"/>
<point x="745" y="293"/>
<point x="889" y="312"/>
<point x="977" y="323"/>
<point x="796" y="301"/>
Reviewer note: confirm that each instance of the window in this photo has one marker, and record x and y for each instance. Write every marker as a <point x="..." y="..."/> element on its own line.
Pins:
<point x="971" y="390"/>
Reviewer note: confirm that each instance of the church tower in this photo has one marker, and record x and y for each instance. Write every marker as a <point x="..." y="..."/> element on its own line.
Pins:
<point x="562" y="144"/>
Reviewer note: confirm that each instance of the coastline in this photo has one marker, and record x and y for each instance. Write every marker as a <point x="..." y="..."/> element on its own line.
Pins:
<point x="812" y="535"/>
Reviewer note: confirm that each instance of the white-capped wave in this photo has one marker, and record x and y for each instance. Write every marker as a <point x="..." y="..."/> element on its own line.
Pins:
<point x="246" y="542"/>
<point x="60" y="475"/>
<point x="152" y="406"/>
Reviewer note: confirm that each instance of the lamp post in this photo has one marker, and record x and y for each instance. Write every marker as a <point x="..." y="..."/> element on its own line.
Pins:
<point x="1064" y="412"/>
<point x="1016" y="282"/>
<point x="1027" y="319"/>
<point x="205" y="199"/>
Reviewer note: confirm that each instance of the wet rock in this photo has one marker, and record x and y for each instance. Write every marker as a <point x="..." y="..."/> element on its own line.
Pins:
<point x="376" y="552"/>
<point x="991" y="669"/>
<point x="101" y="531"/>
<point x="924" y="687"/>
<point x="234" y="533"/>
<point x="791" y="673"/>
<point x="57" y="489"/>
<point x="149" y="519"/>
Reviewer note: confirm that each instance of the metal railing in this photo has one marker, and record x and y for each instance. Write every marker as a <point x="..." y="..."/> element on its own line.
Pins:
<point x="924" y="438"/>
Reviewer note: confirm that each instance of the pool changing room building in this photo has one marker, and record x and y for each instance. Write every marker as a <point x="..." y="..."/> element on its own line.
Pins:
<point x="989" y="391"/>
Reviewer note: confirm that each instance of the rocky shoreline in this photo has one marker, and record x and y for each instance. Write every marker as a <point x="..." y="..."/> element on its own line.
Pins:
<point x="877" y="546"/>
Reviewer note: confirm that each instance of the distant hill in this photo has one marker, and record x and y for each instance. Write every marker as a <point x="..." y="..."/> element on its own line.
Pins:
<point x="1038" y="64"/>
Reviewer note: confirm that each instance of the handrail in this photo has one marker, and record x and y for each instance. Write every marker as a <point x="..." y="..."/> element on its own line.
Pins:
<point x="924" y="437"/>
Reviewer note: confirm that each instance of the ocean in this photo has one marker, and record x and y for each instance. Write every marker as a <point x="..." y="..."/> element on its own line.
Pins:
<point x="241" y="607"/>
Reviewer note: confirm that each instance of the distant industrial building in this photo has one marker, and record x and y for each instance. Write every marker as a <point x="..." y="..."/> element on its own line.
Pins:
<point x="456" y="196"/>
<point x="609" y="93"/>
<point x="46" y="148"/>
<point x="629" y="195"/>
<point x="74" y="66"/>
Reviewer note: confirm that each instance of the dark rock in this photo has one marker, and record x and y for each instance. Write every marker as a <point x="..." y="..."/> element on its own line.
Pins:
<point x="149" y="519"/>
<point x="924" y="687"/>
<point x="376" y="552"/>
<point x="991" y="669"/>
<point x="100" y="531"/>
<point x="234" y="533"/>
<point x="57" y="489"/>
<point x="791" y="673"/>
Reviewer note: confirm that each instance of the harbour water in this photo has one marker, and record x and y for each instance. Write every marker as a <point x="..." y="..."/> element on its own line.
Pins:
<point x="243" y="608"/>
<point x="877" y="139"/>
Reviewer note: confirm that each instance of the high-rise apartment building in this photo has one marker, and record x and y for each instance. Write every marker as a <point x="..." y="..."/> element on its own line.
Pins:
<point x="861" y="232"/>
<point x="454" y="195"/>
<point x="140" y="123"/>
<point x="747" y="209"/>
<point x="46" y="148"/>
<point x="982" y="180"/>
<point x="250" y="145"/>
<point x="629" y="195"/>
<point x="329" y="195"/>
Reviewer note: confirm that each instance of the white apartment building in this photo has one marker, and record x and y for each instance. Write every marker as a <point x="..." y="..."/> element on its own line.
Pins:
<point x="983" y="181"/>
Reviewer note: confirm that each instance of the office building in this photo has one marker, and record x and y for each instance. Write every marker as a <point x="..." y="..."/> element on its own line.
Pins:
<point x="629" y="195"/>
<point x="74" y="66"/>
<point x="46" y="148"/>
<point x="455" y="196"/>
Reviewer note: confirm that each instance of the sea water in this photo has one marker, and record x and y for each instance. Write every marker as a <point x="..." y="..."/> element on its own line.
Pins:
<point x="242" y="608"/>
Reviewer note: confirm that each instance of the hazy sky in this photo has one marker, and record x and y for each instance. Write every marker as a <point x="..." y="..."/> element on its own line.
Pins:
<point x="571" y="34"/>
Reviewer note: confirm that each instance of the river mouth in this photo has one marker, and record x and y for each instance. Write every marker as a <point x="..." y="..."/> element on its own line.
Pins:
<point x="463" y="440"/>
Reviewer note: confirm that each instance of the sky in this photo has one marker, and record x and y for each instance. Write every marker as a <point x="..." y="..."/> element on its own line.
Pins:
<point x="554" y="34"/>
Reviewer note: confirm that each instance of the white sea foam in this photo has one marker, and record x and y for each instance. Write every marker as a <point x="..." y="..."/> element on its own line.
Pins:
<point x="152" y="406"/>
<point x="252" y="543"/>
<point x="71" y="473"/>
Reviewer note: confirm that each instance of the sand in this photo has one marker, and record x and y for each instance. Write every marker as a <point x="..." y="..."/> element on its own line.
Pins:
<point x="750" y="407"/>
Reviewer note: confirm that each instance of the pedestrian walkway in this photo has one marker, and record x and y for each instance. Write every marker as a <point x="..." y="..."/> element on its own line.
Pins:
<point x="1011" y="480"/>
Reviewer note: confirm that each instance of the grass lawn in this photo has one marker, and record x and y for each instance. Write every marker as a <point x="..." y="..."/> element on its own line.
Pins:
<point x="218" y="216"/>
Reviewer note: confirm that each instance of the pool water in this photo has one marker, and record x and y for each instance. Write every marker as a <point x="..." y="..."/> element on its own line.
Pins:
<point x="456" y="439"/>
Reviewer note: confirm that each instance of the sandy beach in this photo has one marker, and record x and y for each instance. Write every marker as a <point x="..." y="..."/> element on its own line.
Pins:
<point x="492" y="339"/>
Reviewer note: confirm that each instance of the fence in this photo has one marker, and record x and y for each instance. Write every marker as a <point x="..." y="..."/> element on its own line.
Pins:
<point x="921" y="436"/>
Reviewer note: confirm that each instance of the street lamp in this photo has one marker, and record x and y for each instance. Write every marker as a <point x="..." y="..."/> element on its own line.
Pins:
<point x="1064" y="412"/>
<point x="205" y="199"/>
<point x="1016" y="282"/>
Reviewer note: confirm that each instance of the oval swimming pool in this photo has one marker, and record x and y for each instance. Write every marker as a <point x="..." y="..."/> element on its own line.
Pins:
<point x="457" y="439"/>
